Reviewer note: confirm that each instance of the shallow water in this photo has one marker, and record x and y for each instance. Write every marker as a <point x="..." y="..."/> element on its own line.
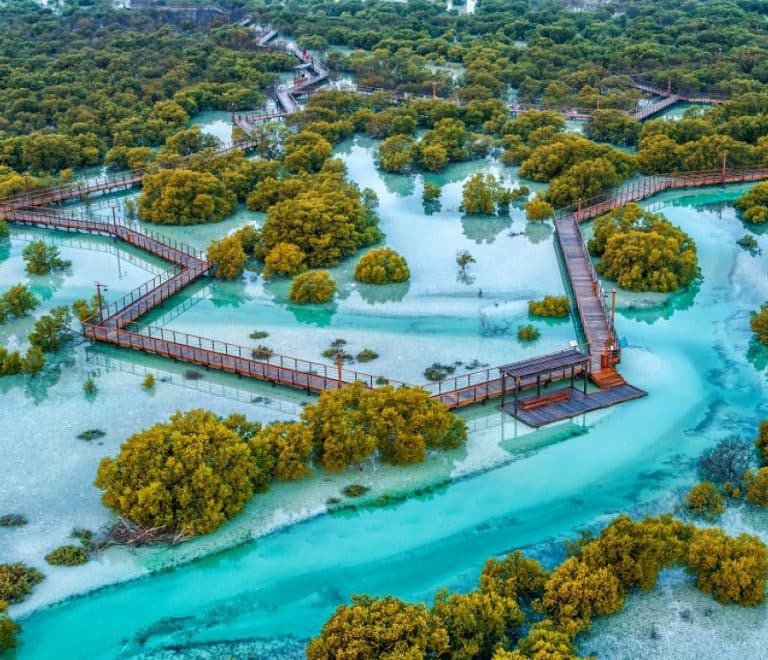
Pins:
<point x="688" y="350"/>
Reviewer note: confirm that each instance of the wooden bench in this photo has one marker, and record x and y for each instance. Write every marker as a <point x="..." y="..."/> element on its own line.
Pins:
<point x="555" y="397"/>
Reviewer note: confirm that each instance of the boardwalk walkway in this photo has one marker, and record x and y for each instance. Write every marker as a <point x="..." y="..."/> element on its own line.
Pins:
<point x="117" y="325"/>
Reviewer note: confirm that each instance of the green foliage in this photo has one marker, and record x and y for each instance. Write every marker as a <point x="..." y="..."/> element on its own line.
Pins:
<point x="89" y="386"/>
<point x="437" y="371"/>
<point x="643" y="251"/>
<point x="184" y="197"/>
<point x="385" y="628"/>
<point x="477" y="622"/>
<point x="758" y="321"/>
<point x="431" y="192"/>
<point x="262" y="352"/>
<point x="636" y="552"/>
<point x="68" y="555"/>
<point x="396" y="154"/>
<point x="761" y="441"/>
<point x="91" y="434"/>
<point x="355" y="490"/>
<point x="306" y="151"/>
<point x="227" y="257"/>
<point x="188" y="475"/>
<point x="5" y="231"/>
<point x="41" y="258"/>
<point x="538" y="210"/>
<point x="528" y="332"/>
<point x="550" y="306"/>
<point x="382" y="266"/>
<point x="705" y="501"/>
<point x="16" y="302"/>
<point x="286" y="447"/>
<point x="33" y="361"/>
<point x="575" y="593"/>
<point x="52" y="330"/>
<point x="749" y="243"/>
<point x="149" y="382"/>
<point x="754" y="204"/>
<point x="756" y="486"/>
<point x="515" y="576"/>
<point x="84" y="310"/>
<point x="13" y="520"/>
<point x="284" y="259"/>
<point x="613" y="126"/>
<point x="484" y="194"/>
<point x="733" y="570"/>
<point x="366" y="355"/>
<point x="326" y="217"/>
<point x="8" y="629"/>
<point x="313" y="287"/>
<point x="464" y="259"/>
<point x="259" y="334"/>
<point x="17" y="581"/>
<point x="400" y="425"/>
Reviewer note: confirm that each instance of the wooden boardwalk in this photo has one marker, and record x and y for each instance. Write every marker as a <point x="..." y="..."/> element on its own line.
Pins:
<point x="117" y="324"/>
<point x="576" y="404"/>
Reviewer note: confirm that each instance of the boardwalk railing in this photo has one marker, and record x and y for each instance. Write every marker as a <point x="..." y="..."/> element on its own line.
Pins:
<point x="107" y="182"/>
<point x="131" y="297"/>
<point x="116" y="324"/>
<point x="219" y="351"/>
<point x="164" y="246"/>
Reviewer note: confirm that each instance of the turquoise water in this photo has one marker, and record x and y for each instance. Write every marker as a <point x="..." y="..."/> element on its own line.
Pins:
<point x="689" y="351"/>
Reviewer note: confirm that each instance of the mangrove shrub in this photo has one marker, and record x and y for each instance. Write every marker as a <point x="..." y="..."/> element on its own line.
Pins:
<point x="643" y="251"/>
<point x="382" y="266"/>
<point x="188" y="475"/>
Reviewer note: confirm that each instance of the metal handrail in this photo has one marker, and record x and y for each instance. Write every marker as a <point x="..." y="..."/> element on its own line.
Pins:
<point x="273" y="359"/>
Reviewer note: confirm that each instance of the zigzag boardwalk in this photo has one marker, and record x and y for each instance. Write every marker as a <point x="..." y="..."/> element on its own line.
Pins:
<point x="117" y="324"/>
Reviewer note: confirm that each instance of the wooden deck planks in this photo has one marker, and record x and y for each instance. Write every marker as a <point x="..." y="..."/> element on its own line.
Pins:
<point x="459" y="391"/>
<point x="577" y="404"/>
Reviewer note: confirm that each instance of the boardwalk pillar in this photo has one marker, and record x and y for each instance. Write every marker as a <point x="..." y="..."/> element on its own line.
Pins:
<point x="517" y="387"/>
<point x="338" y="368"/>
<point x="503" y="387"/>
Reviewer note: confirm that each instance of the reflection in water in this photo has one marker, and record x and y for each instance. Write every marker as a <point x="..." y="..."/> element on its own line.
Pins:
<point x="653" y="307"/>
<point x="374" y="293"/>
<point x="399" y="184"/>
<point x="757" y="354"/>
<point x="317" y="315"/>
<point x="46" y="285"/>
<point x="36" y="387"/>
<point x="229" y="294"/>
<point x="484" y="228"/>
<point x="537" y="232"/>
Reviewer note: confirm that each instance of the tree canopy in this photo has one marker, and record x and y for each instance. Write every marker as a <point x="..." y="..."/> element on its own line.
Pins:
<point x="382" y="266"/>
<point x="643" y="251"/>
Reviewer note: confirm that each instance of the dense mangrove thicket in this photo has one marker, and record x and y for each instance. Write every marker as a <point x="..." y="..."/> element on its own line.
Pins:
<point x="643" y="251"/>
<point x="519" y="610"/>
<point x="191" y="474"/>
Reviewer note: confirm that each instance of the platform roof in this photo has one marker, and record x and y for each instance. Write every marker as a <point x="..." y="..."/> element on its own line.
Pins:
<point x="545" y="364"/>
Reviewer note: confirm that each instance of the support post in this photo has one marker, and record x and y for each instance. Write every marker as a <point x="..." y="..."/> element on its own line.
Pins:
<point x="503" y="387"/>
<point x="517" y="387"/>
<point x="538" y="384"/>
<point x="338" y="368"/>
<point x="584" y="373"/>
<point x="613" y="312"/>
<point x="99" y="288"/>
